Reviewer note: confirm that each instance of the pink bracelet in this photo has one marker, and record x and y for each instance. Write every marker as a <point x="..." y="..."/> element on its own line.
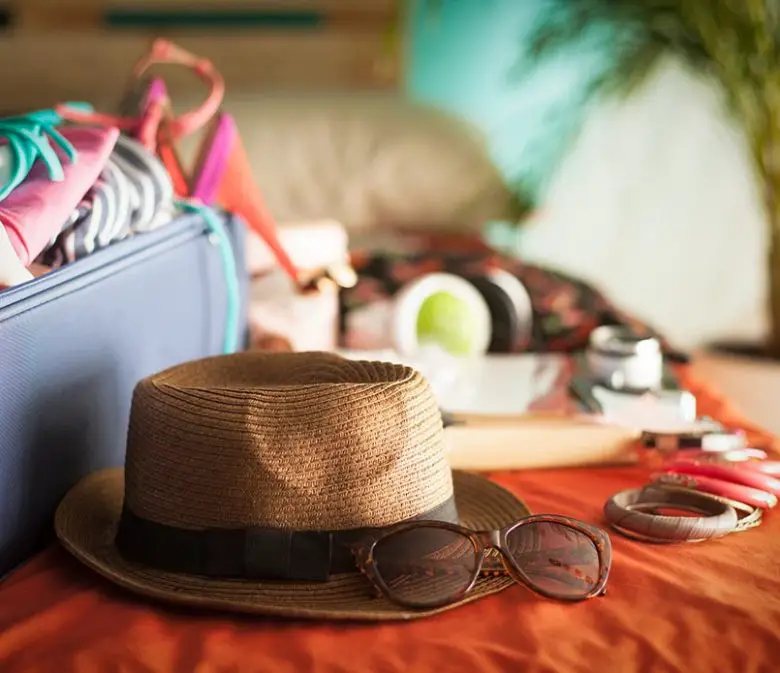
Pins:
<point x="749" y="459"/>
<point x="736" y="473"/>
<point x="771" y="467"/>
<point x="725" y="489"/>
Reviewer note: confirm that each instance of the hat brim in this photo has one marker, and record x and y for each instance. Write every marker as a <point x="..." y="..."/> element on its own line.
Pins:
<point x="87" y="518"/>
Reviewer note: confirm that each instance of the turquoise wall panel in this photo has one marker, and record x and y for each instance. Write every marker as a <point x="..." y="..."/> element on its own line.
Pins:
<point x="471" y="58"/>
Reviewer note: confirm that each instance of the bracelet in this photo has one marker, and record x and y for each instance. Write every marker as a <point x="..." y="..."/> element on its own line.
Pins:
<point x="753" y="497"/>
<point x="635" y="512"/>
<point x="732" y="473"/>
<point x="748" y="516"/>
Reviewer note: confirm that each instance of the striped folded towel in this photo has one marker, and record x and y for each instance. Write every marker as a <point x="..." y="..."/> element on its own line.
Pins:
<point x="133" y="194"/>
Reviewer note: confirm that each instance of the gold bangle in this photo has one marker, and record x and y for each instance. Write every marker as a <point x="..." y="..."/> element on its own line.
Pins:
<point x="747" y="516"/>
<point x="639" y="537"/>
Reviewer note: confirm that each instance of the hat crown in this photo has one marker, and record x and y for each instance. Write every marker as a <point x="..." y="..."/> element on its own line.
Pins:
<point x="303" y="441"/>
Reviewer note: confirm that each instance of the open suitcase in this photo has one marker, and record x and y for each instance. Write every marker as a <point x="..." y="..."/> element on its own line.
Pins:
<point x="73" y="344"/>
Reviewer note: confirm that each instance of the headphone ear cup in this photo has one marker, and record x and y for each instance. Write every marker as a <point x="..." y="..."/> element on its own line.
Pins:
<point x="503" y="313"/>
<point x="443" y="310"/>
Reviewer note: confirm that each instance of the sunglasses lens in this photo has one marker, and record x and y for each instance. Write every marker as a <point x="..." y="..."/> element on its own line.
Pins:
<point x="557" y="559"/>
<point x="426" y="565"/>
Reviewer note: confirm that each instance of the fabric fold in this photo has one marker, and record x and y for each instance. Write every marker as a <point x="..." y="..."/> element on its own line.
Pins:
<point x="34" y="212"/>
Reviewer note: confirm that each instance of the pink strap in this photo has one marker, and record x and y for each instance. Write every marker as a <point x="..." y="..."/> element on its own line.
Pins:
<point x="163" y="51"/>
<point x="155" y="106"/>
<point x="74" y="115"/>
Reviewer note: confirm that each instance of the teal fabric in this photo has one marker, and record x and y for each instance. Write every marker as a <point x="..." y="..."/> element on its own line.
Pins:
<point x="470" y="57"/>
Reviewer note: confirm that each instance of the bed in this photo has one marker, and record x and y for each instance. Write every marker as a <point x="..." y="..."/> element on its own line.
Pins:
<point x="705" y="607"/>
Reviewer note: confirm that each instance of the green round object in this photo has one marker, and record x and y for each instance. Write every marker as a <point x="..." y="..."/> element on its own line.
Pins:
<point x="448" y="321"/>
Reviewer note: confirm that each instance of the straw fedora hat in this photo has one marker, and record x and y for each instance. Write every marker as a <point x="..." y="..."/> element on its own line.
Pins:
<point x="241" y="469"/>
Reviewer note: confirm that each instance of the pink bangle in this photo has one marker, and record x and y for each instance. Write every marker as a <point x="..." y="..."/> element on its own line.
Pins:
<point x="771" y="467"/>
<point x="725" y="489"/>
<point x="736" y="473"/>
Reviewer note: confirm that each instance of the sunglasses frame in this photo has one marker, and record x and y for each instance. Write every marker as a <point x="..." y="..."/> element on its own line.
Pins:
<point x="483" y="541"/>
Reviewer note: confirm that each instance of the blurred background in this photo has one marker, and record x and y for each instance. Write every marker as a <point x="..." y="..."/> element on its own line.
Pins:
<point x="628" y="144"/>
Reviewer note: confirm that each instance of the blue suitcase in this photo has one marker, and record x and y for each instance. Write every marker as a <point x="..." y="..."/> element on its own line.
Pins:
<point x="73" y="344"/>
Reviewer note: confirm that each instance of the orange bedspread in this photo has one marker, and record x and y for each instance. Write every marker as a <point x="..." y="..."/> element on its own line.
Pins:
<point x="708" y="607"/>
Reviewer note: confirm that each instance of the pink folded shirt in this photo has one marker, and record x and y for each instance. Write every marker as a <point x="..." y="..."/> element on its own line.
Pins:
<point x="34" y="213"/>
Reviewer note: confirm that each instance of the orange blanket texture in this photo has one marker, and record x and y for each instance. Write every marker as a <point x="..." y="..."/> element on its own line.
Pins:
<point x="706" y="607"/>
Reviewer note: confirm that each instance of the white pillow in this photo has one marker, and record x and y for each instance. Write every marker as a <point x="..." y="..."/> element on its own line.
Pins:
<point x="367" y="160"/>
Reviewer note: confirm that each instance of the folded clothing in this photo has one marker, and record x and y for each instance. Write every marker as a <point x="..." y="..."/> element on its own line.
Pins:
<point x="133" y="194"/>
<point x="35" y="210"/>
<point x="12" y="271"/>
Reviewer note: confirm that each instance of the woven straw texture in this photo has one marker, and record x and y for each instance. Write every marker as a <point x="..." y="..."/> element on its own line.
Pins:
<point x="308" y="441"/>
<point x="304" y="441"/>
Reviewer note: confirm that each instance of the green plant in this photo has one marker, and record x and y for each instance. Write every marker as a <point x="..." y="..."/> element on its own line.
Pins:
<point x="737" y="42"/>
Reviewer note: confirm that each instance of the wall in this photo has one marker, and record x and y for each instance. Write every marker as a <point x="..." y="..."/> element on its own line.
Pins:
<point x="658" y="203"/>
<point x="85" y="49"/>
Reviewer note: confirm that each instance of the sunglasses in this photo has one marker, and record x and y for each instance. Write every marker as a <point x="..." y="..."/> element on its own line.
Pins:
<point x="430" y="564"/>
